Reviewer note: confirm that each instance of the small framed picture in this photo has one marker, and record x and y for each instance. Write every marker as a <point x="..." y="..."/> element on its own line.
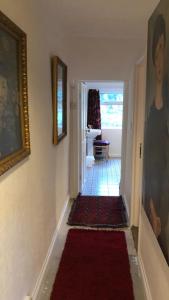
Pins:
<point x="59" y="95"/>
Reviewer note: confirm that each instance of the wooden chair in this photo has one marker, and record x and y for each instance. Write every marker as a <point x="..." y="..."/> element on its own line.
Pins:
<point x="101" y="149"/>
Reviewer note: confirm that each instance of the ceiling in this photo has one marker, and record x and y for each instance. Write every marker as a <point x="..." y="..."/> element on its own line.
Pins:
<point x="103" y="18"/>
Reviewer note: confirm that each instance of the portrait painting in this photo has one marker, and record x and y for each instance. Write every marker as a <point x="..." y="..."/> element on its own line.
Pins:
<point x="14" y="124"/>
<point x="59" y="94"/>
<point x="156" y="135"/>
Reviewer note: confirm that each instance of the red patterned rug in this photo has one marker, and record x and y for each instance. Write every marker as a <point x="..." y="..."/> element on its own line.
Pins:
<point x="94" y="266"/>
<point x="98" y="211"/>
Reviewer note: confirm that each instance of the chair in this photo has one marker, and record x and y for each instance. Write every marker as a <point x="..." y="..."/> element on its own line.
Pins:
<point x="101" y="149"/>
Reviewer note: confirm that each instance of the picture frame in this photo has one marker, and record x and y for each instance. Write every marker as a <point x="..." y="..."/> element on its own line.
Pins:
<point x="155" y="179"/>
<point x="14" y="118"/>
<point x="59" y="96"/>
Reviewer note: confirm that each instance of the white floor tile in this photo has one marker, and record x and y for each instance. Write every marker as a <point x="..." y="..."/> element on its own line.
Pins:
<point x="101" y="176"/>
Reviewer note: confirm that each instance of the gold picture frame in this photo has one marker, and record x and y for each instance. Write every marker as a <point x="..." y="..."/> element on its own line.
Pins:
<point x="59" y="96"/>
<point x="14" y="119"/>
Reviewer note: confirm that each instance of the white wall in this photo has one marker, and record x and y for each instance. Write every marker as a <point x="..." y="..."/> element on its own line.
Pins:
<point x="124" y="137"/>
<point x="114" y="137"/>
<point x="33" y="193"/>
<point x="103" y="59"/>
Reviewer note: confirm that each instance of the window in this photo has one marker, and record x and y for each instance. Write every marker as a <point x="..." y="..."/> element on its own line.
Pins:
<point x="111" y="105"/>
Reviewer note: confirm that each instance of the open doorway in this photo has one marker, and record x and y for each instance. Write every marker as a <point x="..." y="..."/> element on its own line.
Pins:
<point x="100" y="168"/>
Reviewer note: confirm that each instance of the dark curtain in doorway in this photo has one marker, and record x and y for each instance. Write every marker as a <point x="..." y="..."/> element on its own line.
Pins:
<point x="93" y="114"/>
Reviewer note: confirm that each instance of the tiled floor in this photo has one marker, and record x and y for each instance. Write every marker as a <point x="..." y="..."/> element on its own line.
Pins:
<point x="46" y="287"/>
<point x="103" y="178"/>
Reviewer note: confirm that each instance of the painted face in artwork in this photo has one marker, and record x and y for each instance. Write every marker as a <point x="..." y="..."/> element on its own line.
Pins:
<point x="159" y="59"/>
<point x="3" y="93"/>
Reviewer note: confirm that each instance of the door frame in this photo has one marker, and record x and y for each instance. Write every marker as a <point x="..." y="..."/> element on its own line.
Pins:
<point x="138" y="140"/>
<point x="75" y="136"/>
<point x="82" y="132"/>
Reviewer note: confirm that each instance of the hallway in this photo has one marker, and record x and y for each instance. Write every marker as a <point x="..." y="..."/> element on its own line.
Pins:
<point x="101" y="179"/>
<point x="96" y="41"/>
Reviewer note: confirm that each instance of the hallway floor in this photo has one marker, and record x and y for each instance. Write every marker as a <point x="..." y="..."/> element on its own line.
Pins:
<point x="50" y="274"/>
<point x="103" y="178"/>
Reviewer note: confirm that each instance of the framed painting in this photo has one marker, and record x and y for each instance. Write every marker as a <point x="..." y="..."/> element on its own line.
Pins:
<point x="59" y="94"/>
<point x="14" y="121"/>
<point x="156" y="136"/>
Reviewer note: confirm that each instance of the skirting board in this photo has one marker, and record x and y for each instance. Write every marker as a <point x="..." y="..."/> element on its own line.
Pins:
<point x="145" y="281"/>
<point x="49" y="254"/>
<point x="126" y="205"/>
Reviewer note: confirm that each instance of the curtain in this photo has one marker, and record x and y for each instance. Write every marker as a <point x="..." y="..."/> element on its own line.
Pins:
<point x="93" y="114"/>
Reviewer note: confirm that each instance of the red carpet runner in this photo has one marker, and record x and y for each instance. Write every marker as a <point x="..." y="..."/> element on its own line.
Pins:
<point x="98" y="211"/>
<point x="94" y="266"/>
